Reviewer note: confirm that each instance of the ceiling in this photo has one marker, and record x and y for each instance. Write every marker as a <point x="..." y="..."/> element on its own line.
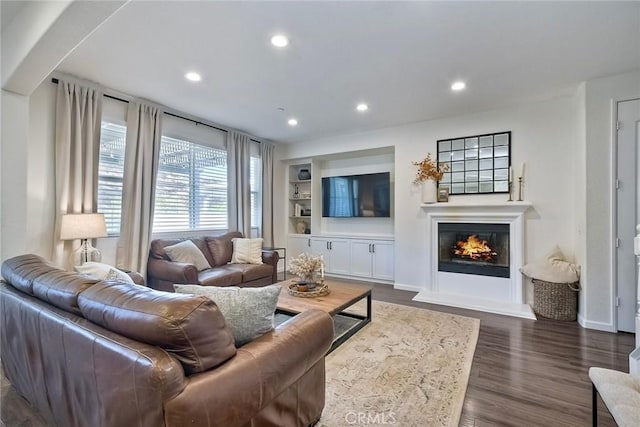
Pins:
<point x="399" y="57"/>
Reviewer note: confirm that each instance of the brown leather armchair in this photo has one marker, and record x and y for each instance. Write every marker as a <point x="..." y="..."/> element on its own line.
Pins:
<point x="114" y="354"/>
<point x="162" y="273"/>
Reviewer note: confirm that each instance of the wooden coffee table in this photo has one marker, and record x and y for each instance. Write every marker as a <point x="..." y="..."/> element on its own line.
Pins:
<point x="342" y="296"/>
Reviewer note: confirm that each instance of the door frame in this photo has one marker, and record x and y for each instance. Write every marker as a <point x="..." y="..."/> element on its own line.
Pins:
<point x="614" y="208"/>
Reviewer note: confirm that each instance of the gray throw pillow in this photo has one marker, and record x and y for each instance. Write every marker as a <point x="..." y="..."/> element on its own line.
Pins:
<point x="249" y="312"/>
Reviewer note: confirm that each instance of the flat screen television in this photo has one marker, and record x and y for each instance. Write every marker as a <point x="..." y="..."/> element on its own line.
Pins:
<point x="349" y="196"/>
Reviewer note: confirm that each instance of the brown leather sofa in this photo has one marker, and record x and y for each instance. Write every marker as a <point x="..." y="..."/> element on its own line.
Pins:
<point x="162" y="273"/>
<point x="88" y="353"/>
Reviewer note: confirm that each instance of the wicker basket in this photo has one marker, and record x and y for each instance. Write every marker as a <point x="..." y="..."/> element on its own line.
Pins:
<point x="557" y="301"/>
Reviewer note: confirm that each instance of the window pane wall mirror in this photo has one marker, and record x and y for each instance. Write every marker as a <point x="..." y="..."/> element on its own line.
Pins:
<point x="477" y="164"/>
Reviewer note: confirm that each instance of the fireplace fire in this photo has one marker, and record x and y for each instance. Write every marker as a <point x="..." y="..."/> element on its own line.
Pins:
<point x="474" y="249"/>
<point x="480" y="249"/>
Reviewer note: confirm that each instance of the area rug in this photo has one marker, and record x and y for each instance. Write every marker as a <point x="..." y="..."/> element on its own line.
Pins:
<point x="408" y="367"/>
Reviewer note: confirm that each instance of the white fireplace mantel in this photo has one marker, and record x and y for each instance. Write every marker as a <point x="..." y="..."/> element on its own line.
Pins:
<point x="495" y="295"/>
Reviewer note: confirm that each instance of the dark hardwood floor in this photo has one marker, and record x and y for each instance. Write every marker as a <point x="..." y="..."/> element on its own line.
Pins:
<point x="531" y="373"/>
<point x="525" y="373"/>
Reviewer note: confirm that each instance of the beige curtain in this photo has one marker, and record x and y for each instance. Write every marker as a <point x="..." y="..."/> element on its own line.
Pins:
<point x="238" y="167"/>
<point x="266" y="152"/>
<point x="142" y="153"/>
<point x="78" y="117"/>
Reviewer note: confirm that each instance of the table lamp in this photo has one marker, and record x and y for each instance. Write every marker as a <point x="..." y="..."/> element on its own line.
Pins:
<point x="84" y="227"/>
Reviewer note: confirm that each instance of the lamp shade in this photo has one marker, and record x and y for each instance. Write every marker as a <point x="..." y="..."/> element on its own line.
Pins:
<point x="82" y="226"/>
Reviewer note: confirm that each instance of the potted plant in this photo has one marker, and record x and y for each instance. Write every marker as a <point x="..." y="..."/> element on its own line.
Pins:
<point x="428" y="175"/>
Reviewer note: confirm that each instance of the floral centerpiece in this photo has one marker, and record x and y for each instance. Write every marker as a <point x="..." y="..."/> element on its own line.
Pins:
<point x="429" y="170"/>
<point x="306" y="267"/>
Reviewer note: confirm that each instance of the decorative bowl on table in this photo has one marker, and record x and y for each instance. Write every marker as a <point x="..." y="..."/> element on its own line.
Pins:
<point x="302" y="290"/>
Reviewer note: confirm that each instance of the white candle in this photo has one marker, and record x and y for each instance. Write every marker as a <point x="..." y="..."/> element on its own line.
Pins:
<point x="322" y="266"/>
<point x="510" y="174"/>
<point x="522" y="170"/>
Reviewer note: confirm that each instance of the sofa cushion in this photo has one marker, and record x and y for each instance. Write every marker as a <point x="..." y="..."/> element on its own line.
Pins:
<point x="221" y="247"/>
<point x="187" y="252"/>
<point x="252" y="271"/>
<point x="190" y="328"/>
<point x="220" y="276"/>
<point x="99" y="271"/>
<point x="62" y="288"/>
<point x="246" y="251"/>
<point x="249" y="312"/>
<point x="157" y="248"/>
<point x="20" y="271"/>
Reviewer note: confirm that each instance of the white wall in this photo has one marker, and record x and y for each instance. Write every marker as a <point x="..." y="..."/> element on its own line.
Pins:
<point x="599" y="292"/>
<point x="41" y="171"/>
<point x="542" y="136"/>
<point x="580" y="189"/>
<point x="28" y="192"/>
<point x="15" y="122"/>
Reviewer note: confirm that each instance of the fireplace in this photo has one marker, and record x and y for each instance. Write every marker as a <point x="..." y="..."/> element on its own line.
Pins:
<point x="483" y="275"/>
<point x="480" y="249"/>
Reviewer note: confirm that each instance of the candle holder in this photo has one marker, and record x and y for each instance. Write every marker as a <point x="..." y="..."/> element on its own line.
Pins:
<point x="520" y="189"/>
<point x="510" y="199"/>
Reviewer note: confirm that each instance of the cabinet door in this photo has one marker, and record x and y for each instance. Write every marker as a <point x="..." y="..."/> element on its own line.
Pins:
<point x="383" y="260"/>
<point x="321" y="247"/>
<point x="297" y="245"/>
<point x="361" y="258"/>
<point x="340" y="256"/>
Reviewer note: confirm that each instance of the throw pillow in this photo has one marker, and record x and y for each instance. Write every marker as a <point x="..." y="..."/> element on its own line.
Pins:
<point x="554" y="268"/>
<point x="249" y="312"/>
<point x="186" y="251"/>
<point x="246" y="251"/>
<point x="99" y="271"/>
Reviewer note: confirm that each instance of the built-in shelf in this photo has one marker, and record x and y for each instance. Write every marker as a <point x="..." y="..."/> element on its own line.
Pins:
<point x="300" y="199"/>
<point x="299" y="181"/>
<point x="300" y="217"/>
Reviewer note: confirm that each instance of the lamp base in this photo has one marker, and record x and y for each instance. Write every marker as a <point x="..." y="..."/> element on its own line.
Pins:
<point x="86" y="253"/>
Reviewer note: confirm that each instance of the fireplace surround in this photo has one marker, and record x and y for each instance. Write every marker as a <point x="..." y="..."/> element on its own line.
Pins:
<point x="501" y="294"/>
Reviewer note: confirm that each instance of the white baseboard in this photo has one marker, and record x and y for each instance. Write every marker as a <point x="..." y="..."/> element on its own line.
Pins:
<point x="599" y="326"/>
<point x="403" y="287"/>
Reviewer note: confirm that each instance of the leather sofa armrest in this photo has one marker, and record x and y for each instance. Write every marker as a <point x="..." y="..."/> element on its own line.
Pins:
<point x="259" y="372"/>
<point x="271" y="258"/>
<point x="136" y="277"/>
<point x="176" y="272"/>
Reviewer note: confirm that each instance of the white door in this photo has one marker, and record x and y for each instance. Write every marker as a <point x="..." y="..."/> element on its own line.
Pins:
<point x="321" y="247"/>
<point x="383" y="262"/>
<point x="340" y="256"/>
<point x="297" y="245"/>
<point x="361" y="258"/>
<point x="628" y="147"/>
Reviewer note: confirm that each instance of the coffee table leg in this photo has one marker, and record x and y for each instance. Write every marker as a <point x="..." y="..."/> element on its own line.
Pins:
<point x="355" y="328"/>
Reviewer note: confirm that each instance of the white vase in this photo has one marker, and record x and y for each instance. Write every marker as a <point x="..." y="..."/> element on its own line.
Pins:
<point x="429" y="191"/>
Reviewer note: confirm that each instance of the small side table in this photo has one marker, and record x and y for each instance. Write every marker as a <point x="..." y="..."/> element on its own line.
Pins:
<point x="283" y="257"/>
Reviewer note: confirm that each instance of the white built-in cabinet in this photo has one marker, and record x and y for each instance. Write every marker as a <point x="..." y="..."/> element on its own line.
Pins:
<point x="372" y="258"/>
<point x="346" y="256"/>
<point x="298" y="245"/>
<point x="335" y="253"/>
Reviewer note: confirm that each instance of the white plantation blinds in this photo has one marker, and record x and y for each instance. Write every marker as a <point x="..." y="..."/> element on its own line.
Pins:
<point x="191" y="188"/>
<point x="110" y="171"/>
<point x="255" y="175"/>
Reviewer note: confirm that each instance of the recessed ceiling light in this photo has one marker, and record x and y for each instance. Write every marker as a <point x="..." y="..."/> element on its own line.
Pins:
<point x="292" y="122"/>
<point x="362" y="107"/>
<point x="279" y="40"/>
<point x="193" y="76"/>
<point x="458" y="85"/>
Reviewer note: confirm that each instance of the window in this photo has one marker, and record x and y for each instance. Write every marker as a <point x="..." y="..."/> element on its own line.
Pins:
<point x="255" y="179"/>
<point x="191" y="188"/>
<point x="110" y="173"/>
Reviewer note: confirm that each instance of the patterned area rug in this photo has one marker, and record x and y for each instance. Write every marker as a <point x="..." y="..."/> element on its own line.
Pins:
<point x="408" y="367"/>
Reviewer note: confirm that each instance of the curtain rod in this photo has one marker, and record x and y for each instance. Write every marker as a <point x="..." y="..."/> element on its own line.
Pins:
<point x="55" y="81"/>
